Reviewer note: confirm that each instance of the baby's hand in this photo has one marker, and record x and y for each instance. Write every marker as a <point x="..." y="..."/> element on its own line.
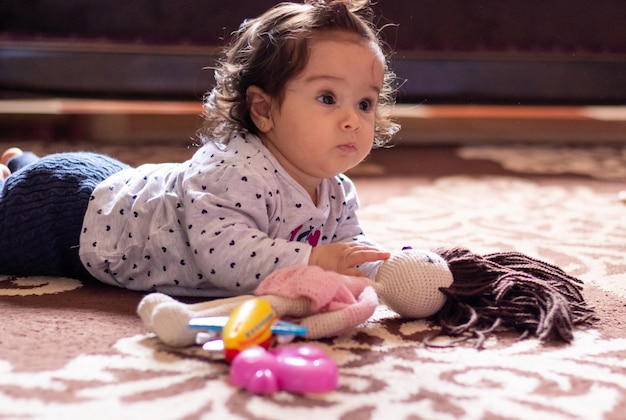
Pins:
<point x="343" y="258"/>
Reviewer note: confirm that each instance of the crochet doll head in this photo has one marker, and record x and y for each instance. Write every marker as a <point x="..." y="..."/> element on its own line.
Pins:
<point x="409" y="283"/>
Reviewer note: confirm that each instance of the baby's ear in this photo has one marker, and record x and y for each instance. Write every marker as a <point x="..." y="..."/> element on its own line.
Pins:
<point x="260" y="104"/>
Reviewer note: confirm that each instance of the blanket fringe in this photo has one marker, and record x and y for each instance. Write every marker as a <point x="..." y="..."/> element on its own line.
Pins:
<point x="510" y="291"/>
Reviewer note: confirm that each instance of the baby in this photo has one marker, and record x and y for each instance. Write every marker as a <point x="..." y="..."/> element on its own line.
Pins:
<point x="302" y="94"/>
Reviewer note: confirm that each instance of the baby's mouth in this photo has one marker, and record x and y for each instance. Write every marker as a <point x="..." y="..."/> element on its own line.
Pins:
<point x="347" y="148"/>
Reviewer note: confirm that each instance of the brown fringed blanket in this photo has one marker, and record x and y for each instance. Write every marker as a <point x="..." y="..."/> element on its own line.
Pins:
<point x="79" y="351"/>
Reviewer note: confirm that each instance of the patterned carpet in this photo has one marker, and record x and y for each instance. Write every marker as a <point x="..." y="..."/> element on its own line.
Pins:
<point x="76" y="351"/>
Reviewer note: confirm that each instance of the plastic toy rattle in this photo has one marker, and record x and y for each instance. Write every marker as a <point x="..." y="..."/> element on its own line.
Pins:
<point x="252" y="323"/>
<point x="297" y="368"/>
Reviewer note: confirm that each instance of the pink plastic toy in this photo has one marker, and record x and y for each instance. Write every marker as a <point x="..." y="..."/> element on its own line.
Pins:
<point x="299" y="368"/>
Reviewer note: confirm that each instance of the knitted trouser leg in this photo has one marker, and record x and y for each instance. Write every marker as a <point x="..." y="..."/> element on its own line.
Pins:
<point x="42" y="207"/>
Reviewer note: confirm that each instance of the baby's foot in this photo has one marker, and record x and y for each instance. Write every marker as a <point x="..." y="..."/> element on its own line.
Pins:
<point x="9" y="154"/>
<point x="4" y="171"/>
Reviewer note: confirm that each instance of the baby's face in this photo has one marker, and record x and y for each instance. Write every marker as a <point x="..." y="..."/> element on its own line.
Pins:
<point x="325" y="124"/>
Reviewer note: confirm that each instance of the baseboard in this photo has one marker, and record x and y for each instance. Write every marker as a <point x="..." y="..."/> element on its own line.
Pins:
<point x="143" y="121"/>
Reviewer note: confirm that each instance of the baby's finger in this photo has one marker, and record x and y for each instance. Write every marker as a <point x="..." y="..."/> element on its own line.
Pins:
<point x="368" y="255"/>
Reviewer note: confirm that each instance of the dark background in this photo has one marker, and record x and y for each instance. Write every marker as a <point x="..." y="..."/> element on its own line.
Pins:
<point x="447" y="51"/>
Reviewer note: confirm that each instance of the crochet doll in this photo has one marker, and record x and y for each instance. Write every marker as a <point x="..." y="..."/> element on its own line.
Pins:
<point x="466" y="294"/>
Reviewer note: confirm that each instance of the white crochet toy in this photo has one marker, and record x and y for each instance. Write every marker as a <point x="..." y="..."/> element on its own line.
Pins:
<point x="327" y="303"/>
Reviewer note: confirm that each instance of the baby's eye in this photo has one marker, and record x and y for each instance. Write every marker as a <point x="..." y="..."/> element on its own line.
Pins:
<point x="365" y="105"/>
<point x="326" y="99"/>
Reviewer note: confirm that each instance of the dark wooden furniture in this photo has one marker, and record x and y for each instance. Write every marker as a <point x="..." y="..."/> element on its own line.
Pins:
<point x="447" y="51"/>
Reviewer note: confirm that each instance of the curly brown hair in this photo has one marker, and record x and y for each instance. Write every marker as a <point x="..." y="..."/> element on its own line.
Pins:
<point x="271" y="49"/>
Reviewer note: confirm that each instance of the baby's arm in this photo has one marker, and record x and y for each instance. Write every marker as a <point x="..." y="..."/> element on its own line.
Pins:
<point x="352" y="251"/>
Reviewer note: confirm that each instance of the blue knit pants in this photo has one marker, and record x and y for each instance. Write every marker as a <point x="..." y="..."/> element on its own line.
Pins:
<point x="42" y="206"/>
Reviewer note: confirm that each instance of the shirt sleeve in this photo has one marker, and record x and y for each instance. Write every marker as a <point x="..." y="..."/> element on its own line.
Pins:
<point x="350" y="230"/>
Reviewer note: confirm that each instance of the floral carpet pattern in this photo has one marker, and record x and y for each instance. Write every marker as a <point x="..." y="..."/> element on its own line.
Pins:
<point x="599" y="162"/>
<point x="75" y="351"/>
